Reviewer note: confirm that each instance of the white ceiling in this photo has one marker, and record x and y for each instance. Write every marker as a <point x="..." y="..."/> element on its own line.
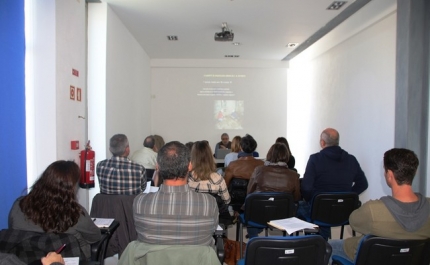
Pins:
<point x="263" y="27"/>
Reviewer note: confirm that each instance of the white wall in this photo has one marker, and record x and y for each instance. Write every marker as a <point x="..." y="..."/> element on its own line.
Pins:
<point x="348" y="85"/>
<point x="128" y="88"/>
<point x="55" y="43"/>
<point x="181" y="113"/>
<point x="118" y="83"/>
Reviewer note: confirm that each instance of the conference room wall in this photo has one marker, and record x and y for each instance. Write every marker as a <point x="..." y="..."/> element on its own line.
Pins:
<point x="351" y="87"/>
<point x="118" y="83"/>
<point x="183" y="111"/>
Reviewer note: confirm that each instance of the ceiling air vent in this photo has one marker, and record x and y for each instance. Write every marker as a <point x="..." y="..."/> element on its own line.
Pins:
<point x="172" y="38"/>
<point x="336" y="5"/>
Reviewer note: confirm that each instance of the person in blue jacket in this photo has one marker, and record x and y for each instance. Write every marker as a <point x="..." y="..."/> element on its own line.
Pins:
<point x="330" y="170"/>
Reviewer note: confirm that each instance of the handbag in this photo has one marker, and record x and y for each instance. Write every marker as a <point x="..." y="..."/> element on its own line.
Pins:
<point x="232" y="251"/>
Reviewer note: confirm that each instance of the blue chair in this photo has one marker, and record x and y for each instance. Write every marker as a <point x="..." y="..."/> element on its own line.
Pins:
<point x="333" y="209"/>
<point x="262" y="207"/>
<point x="303" y="250"/>
<point x="385" y="251"/>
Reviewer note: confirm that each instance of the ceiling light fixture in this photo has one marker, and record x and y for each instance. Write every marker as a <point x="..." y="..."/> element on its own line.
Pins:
<point x="336" y="5"/>
<point x="172" y="38"/>
<point x="292" y="45"/>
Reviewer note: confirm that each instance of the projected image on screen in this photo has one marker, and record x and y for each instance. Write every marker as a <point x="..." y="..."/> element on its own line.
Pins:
<point x="228" y="114"/>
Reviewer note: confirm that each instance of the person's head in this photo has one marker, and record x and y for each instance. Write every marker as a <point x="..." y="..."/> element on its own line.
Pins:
<point x="403" y="164"/>
<point x="52" y="202"/>
<point x="159" y="142"/>
<point x="283" y="140"/>
<point x="225" y="139"/>
<point x="202" y="160"/>
<point x="149" y="142"/>
<point x="173" y="161"/>
<point x="248" y="144"/>
<point x="189" y="145"/>
<point x="118" y="145"/>
<point x="329" y="137"/>
<point x="278" y="152"/>
<point x="235" y="144"/>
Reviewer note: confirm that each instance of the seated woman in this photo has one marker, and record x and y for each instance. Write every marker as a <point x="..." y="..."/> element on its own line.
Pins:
<point x="203" y="177"/>
<point x="235" y="149"/>
<point x="291" y="161"/>
<point x="274" y="176"/>
<point x="51" y="206"/>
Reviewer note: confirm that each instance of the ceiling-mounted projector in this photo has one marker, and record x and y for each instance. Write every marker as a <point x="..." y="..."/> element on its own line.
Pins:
<point x="225" y="35"/>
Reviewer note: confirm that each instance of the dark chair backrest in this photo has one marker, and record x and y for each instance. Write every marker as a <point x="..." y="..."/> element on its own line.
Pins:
<point x="262" y="207"/>
<point x="237" y="189"/>
<point x="30" y="246"/>
<point x="119" y="207"/>
<point x="384" y="251"/>
<point x="303" y="250"/>
<point x="334" y="208"/>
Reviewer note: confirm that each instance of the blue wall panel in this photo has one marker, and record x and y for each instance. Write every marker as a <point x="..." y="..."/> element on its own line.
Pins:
<point x="13" y="170"/>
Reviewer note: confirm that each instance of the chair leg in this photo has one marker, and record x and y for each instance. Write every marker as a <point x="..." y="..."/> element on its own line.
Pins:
<point x="241" y="240"/>
<point x="267" y="232"/>
<point x="341" y="232"/>
<point x="237" y="230"/>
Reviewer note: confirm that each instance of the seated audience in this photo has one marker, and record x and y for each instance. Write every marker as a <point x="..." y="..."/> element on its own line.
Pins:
<point x="330" y="170"/>
<point x="235" y="149"/>
<point x="146" y="156"/>
<point x="159" y="142"/>
<point x="245" y="164"/>
<point x="274" y="176"/>
<point x="176" y="214"/>
<point x="119" y="175"/>
<point x="224" y="144"/>
<point x="291" y="161"/>
<point x="203" y="177"/>
<point x="52" y="207"/>
<point x="403" y="215"/>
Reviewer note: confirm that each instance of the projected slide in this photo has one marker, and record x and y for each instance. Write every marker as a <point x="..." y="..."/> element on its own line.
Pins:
<point x="229" y="114"/>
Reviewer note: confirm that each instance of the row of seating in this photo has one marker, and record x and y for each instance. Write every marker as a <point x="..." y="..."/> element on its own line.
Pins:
<point x="314" y="250"/>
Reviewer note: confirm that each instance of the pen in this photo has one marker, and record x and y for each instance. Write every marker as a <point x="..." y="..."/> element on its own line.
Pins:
<point x="58" y="251"/>
<point x="94" y="219"/>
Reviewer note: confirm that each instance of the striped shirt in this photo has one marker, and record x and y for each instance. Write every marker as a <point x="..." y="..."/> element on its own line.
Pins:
<point x="175" y="215"/>
<point x="119" y="175"/>
<point x="215" y="185"/>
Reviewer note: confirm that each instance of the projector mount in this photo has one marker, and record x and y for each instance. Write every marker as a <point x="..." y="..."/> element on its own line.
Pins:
<point x="225" y="35"/>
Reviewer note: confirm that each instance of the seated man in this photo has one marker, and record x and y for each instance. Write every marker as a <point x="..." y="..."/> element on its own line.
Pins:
<point x="146" y="156"/>
<point x="330" y="170"/>
<point x="404" y="215"/>
<point x="175" y="215"/>
<point x="119" y="175"/>
<point x="224" y="144"/>
<point x="245" y="164"/>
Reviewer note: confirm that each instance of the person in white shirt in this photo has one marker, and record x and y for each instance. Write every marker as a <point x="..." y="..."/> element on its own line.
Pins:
<point x="146" y="157"/>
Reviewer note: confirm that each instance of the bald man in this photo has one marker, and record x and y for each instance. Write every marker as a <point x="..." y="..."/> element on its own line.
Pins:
<point x="330" y="170"/>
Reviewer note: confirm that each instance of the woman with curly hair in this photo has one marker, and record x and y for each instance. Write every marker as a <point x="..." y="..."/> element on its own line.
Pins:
<point x="203" y="177"/>
<point x="52" y="206"/>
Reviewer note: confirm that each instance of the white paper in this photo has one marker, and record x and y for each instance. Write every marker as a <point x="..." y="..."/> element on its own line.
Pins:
<point x="292" y="224"/>
<point x="103" y="222"/>
<point x="150" y="188"/>
<point x="219" y="228"/>
<point x="71" y="261"/>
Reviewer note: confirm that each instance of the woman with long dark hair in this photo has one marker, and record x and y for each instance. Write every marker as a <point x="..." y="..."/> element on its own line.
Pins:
<point x="52" y="206"/>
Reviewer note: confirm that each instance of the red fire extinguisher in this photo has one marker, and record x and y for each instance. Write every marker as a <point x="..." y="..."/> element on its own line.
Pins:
<point x="87" y="167"/>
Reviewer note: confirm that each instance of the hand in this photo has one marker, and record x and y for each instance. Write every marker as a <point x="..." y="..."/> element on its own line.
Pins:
<point x="222" y="147"/>
<point x="51" y="258"/>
